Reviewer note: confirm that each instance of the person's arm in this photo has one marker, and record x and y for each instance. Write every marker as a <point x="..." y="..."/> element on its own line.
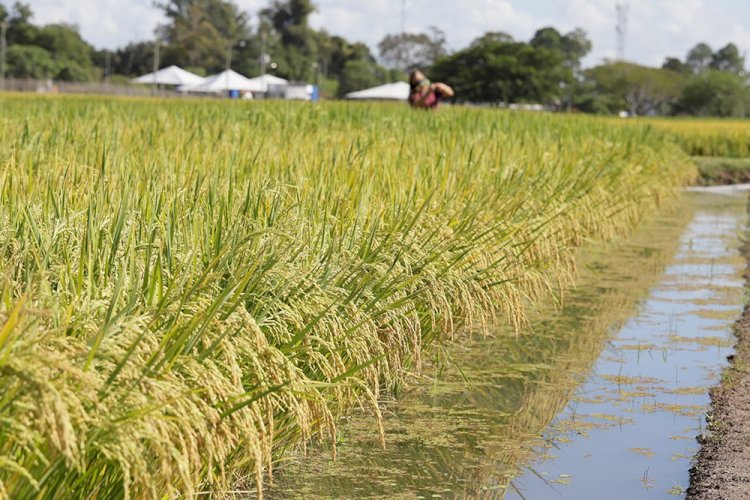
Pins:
<point x="445" y="90"/>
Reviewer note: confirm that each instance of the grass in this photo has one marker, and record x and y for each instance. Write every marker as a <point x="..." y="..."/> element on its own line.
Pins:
<point x="191" y="288"/>
<point x="720" y="170"/>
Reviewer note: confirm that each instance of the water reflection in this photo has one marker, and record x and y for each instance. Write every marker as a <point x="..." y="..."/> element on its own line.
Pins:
<point x="466" y="432"/>
<point x="654" y="375"/>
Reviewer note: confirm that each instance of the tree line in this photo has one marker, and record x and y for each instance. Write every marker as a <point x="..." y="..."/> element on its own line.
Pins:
<point x="202" y="36"/>
<point x="206" y="36"/>
<point x="705" y="83"/>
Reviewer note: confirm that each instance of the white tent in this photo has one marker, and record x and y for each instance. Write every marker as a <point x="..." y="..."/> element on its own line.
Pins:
<point x="224" y="81"/>
<point x="172" y="75"/>
<point x="397" y="91"/>
<point x="264" y="81"/>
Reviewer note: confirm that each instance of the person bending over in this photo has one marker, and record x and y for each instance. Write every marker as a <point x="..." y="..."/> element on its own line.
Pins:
<point x="425" y="94"/>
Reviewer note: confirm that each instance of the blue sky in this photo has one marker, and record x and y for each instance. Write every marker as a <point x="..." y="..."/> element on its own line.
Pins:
<point x="657" y="28"/>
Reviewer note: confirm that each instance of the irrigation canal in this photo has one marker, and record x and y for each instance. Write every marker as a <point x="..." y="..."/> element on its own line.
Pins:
<point x="601" y="398"/>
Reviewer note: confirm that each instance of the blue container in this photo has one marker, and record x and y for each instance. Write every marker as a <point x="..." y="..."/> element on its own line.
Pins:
<point x="234" y="94"/>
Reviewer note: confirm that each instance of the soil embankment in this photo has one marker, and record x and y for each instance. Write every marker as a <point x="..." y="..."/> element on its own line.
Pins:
<point x="721" y="469"/>
<point x="721" y="171"/>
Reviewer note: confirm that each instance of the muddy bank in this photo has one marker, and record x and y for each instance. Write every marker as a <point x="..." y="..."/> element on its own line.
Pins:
<point x="721" y="171"/>
<point x="721" y="469"/>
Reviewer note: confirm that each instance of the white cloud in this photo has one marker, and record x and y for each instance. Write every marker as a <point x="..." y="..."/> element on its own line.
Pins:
<point x="104" y="23"/>
<point x="488" y="15"/>
<point x="366" y="22"/>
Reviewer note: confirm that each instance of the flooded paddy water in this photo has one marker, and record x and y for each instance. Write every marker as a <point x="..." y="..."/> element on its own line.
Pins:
<point x="601" y="398"/>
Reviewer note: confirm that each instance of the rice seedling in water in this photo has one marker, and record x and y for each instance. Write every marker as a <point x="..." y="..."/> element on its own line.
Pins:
<point x="190" y="289"/>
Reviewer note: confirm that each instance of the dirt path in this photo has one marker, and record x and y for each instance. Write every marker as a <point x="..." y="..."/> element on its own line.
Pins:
<point x="721" y="469"/>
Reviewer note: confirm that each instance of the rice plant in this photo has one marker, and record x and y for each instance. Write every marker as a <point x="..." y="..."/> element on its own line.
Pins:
<point x="708" y="137"/>
<point x="192" y="288"/>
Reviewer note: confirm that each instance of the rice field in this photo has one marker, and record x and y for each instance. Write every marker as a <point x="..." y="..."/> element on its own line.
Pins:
<point x="472" y="427"/>
<point x="708" y="137"/>
<point x="190" y="289"/>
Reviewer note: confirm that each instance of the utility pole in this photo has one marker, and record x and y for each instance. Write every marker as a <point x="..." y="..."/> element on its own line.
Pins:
<point x="263" y="60"/>
<point x="403" y="16"/>
<point x="157" y="43"/>
<point x="241" y="44"/>
<point x="3" y="51"/>
<point x="621" y="28"/>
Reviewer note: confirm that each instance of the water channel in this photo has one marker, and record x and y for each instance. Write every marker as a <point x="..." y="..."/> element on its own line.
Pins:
<point x="601" y="398"/>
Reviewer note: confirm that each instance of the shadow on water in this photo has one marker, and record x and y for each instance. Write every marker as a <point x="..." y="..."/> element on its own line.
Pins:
<point x="599" y="394"/>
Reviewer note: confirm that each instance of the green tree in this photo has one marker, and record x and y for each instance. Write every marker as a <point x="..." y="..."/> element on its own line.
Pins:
<point x="73" y="72"/>
<point x="624" y="86"/>
<point x="336" y="51"/>
<point x="716" y="93"/>
<point x="492" y="37"/>
<point x="406" y="51"/>
<point x="134" y="59"/>
<point x="290" y="41"/>
<point x="200" y="32"/>
<point x="21" y="31"/>
<point x="495" y="69"/>
<point x="351" y="65"/>
<point x="64" y="41"/>
<point x="28" y="61"/>
<point x="246" y="56"/>
<point x="674" y="64"/>
<point x="290" y="20"/>
<point x="576" y="46"/>
<point x="71" y="53"/>
<point x="699" y="58"/>
<point x="728" y="59"/>
<point x="358" y="74"/>
<point x="573" y="46"/>
<point x="53" y="51"/>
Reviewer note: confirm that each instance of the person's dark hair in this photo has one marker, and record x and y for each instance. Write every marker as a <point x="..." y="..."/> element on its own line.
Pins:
<point x="416" y="77"/>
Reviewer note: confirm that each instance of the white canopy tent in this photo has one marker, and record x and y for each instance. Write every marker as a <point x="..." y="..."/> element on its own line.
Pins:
<point x="172" y="75"/>
<point x="222" y="82"/>
<point x="397" y="91"/>
<point x="231" y="80"/>
<point x="264" y="81"/>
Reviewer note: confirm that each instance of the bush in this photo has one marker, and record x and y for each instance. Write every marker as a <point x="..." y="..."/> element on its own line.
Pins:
<point x="28" y="61"/>
<point x="715" y="93"/>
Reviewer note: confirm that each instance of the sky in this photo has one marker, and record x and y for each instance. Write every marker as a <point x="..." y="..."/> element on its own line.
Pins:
<point x="656" y="28"/>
